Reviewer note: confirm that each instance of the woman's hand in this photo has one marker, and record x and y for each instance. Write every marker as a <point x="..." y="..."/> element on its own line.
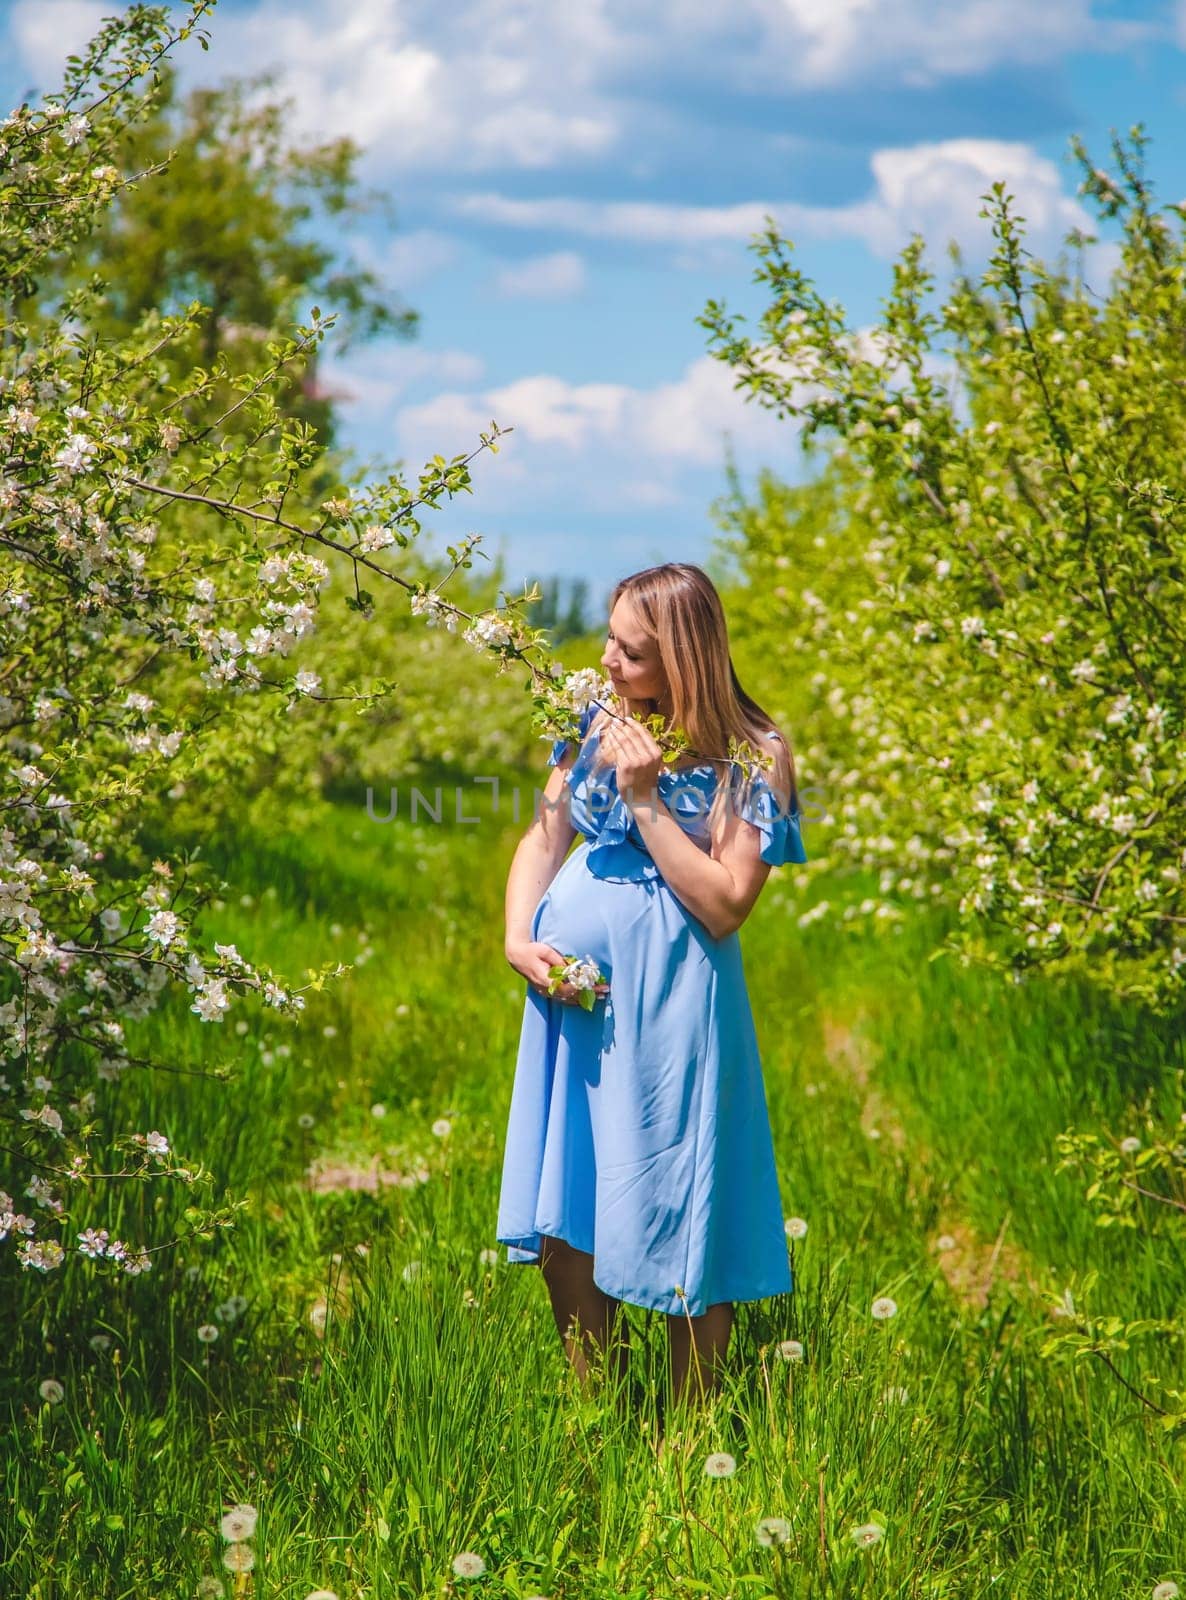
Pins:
<point x="532" y="960"/>
<point x="637" y="757"/>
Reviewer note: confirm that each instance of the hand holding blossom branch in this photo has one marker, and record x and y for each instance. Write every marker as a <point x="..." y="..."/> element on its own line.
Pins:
<point x="638" y="757"/>
<point x="583" y="975"/>
<point x="567" y="978"/>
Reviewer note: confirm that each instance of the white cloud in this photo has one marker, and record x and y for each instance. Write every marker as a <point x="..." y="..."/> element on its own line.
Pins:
<point x="840" y="40"/>
<point x="934" y="189"/>
<point x="373" y="378"/>
<point x="687" y="420"/>
<point x="768" y="45"/>
<point x="542" y="409"/>
<point x="552" y="277"/>
<point x="647" y="222"/>
<point x="45" y="32"/>
<point x="487" y="85"/>
<point x="652" y="446"/>
<point x="480" y="86"/>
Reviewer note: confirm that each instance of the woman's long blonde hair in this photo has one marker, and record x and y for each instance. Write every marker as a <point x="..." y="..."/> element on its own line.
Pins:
<point x="678" y="606"/>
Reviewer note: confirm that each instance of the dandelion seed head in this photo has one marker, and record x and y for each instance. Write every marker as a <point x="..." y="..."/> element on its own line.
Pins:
<point x="795" y="1228"/>
<point x="442" y="1127"/>
<point x="238" y="1524"/>
<point x="720" y="1465"/>
<point x="378" y="1109"/>
<point x="945" y="1242"/>
<point x="207" y="1333"/>
<point x="1130" y="1146"/>
<point x="238" y="1558"/>
<point x="468" y="1564"/>
<point x="321" y="1594"/>
<point x="883" y="1308"/>
<point x="772" y="1531"/>
<point x="305" y="1120"/>
<point x="51" y="1391"/>
<point x="209" y="1589"/>
<point x="789" y="1350"/>
<point x="488" y="1258"/>
<point x="1166" y="1591"/>
<point x="412" y="1270"/>
<point x="868" y="1533"/>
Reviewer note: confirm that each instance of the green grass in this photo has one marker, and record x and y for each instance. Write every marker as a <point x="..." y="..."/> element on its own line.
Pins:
<point x="434" y="1413"/>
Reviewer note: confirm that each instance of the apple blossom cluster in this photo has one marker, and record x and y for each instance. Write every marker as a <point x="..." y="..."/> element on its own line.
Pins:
<point x="583" y="687"/>
<point x="434" y="610"/>
<point x="488" y="632"/>
<point x="582" y="972"/>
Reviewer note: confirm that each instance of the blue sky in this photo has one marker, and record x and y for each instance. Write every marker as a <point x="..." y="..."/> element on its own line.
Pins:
<point x="573" y="182"/>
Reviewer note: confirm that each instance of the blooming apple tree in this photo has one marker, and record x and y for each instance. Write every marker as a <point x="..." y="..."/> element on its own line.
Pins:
<point x="157" y="576"/>
<point x="986" y="585"/>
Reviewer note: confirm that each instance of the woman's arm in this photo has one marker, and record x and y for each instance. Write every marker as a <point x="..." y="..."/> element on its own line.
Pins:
<point x="537" y="859"/>
<point x="719" y="888"/>
<point x="539" y="854"/>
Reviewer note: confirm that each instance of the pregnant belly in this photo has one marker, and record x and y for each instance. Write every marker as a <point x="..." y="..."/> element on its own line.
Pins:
<point x="571" y="917"/>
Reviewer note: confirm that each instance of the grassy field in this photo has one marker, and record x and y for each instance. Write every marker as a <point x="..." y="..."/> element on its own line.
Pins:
<point x="388" y="1397"/>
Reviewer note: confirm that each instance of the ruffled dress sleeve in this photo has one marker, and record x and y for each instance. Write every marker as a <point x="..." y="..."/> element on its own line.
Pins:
<point x="781" y="830"/>
<point x="561" y="745"/>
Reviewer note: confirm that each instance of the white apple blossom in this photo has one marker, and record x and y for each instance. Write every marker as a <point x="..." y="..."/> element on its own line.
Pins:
<point x="488" y="631"/>
<point x="45" y="1116"/>
<point x="212" y="1001"/>
<point x="163" y="928"/>
<point x="75" y="455"/>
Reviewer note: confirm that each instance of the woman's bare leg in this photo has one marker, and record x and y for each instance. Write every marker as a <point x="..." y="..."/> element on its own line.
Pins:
<point x="586" y="1317"/>
<point x="697" y="1347"/>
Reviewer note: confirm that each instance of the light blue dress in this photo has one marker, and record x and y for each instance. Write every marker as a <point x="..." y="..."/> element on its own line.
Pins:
<point x="638" y="1131"/>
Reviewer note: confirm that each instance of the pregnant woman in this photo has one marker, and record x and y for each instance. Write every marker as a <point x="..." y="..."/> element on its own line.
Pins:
<point x="639" y="1165"/>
